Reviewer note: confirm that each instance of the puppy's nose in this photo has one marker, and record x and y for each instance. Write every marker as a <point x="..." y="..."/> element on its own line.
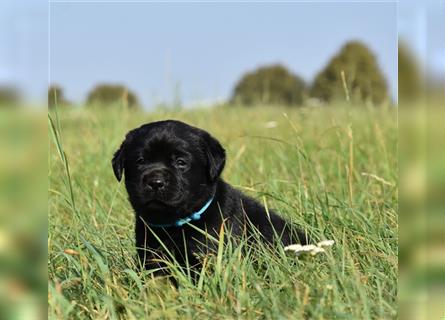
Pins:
<point x="156" y="184"/>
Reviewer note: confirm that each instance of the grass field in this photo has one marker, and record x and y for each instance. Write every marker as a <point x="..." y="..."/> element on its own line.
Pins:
<point x="332" y="170"/>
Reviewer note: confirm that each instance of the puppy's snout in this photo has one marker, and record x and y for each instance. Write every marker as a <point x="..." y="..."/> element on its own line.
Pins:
<point x="155" y="181"/>
<point x="156" y="184"/>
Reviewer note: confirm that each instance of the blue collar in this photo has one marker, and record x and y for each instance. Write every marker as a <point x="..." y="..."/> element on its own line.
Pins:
<point x="178" y="223"/>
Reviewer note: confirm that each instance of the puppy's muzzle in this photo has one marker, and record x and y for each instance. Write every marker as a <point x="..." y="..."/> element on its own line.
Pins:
<point x="156" y="184"/>
<point x="155" y="180"/>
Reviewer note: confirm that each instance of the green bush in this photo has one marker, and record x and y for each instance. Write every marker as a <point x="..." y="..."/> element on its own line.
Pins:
<point x="56" y="97"/>
<point x="107" y="94"/>
<point x="410" y="79"/>
<point x="352" y="74"/>
<point x="9" y="97"/>
<point x="269" y="85"/>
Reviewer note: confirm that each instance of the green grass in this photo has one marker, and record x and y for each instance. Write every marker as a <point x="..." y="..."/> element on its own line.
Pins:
<point x="332" y="170"/>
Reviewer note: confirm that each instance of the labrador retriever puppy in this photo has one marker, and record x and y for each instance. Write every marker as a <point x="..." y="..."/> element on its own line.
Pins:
<point x="172" y="176"/>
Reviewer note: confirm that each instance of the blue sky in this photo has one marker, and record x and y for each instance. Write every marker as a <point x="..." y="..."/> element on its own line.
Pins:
<point x="24" y="46"/>
<point x="201" y="49"/>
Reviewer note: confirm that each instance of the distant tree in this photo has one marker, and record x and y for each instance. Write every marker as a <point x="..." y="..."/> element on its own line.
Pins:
<point x="352" y="74"/>
<point x="410" y="84"/>
<point x="56" y="97"/>
<point x="107" y="94"/>
<point x="272" y="84"/>
<point x="9" y="97"/>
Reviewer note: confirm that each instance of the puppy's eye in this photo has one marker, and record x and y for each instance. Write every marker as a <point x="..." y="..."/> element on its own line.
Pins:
<point x="180" y="163"/>
<point x="140" y="160"/>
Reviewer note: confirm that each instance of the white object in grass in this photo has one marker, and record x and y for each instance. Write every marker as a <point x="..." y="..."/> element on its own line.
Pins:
<point x="312" y="249"/>
<point x="326" y="243"/>
<point x="270" y="124"/>
<point x="316" y="250"/>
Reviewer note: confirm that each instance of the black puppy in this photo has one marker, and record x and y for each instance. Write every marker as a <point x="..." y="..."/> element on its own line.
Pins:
<point x="172" y="175"/>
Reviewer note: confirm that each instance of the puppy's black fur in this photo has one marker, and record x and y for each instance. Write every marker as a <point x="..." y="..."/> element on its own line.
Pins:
<point x="171" y="171"/>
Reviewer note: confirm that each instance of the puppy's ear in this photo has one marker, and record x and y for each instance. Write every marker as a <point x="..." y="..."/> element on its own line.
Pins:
<point x="216" y="156"/>
<point x="119" y="158"/>
<point x="118" y="162"/>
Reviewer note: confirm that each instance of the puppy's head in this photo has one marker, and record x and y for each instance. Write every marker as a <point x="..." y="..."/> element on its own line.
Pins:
<point x="170" y="169"/>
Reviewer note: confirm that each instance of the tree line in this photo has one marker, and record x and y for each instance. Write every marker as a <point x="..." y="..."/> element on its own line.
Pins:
<point x="353" y="74"/>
